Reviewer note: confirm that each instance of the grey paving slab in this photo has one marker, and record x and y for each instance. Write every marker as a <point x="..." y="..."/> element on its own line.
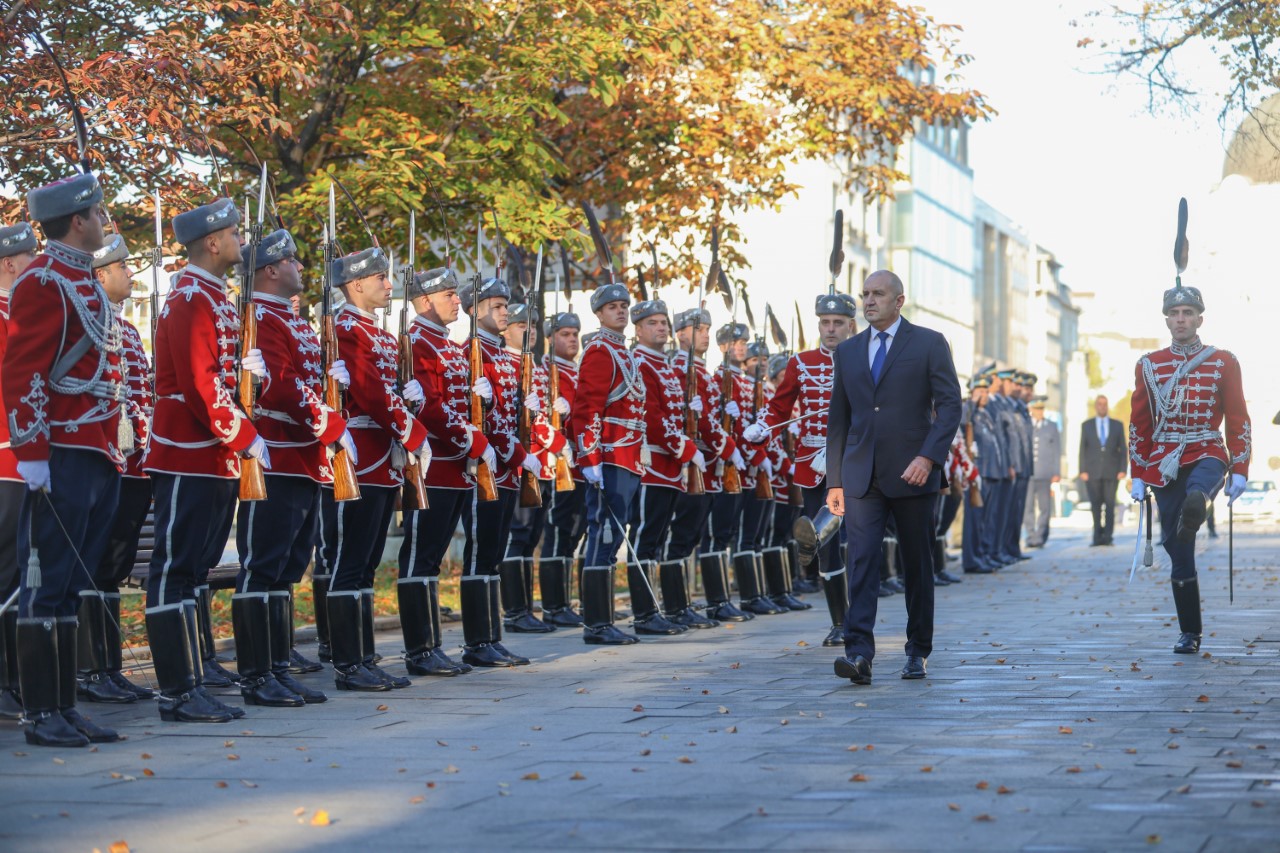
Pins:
<point x="1055" y="719"/>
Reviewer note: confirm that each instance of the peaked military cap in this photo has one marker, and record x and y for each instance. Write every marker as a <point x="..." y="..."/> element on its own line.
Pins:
<point x="1179" y="295"/>
<point x="732" y="332"/>
<point x="490" y="288"/>
<point x="69" y="195"/>
<point x="432" y="281"/>
<point x="1005" y="373"/>
<point x="1038" y="402"/>
<point x="563" y="320"/>
<point x="648" y="308"/>
<point x="693" y="317"/>
<point x="16" y="239"/>
<point x="982" y="380"/>
<point x="204" y="220"/>
<point x="836" y="303"/>
<point x="112" y="250"/>
<point x="606" y="293"/>
<point x="757" y="349"/>
<point x="519" y="312"/>
<point x="1026" y="377"/>
<point x="276" y="246"/>
<point x="359" y="265"/>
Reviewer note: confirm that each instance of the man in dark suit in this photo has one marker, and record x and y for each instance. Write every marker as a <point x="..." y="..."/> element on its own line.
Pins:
<point x="1103" y="459"/>
<point x="895" y="407"/>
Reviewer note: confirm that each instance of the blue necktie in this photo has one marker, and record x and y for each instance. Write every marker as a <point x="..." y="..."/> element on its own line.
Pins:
<point x="1102" y="433"/>
<point x="877" y="364"/>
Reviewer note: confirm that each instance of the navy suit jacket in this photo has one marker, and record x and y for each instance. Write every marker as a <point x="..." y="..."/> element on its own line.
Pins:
<point x="876" y="429"/>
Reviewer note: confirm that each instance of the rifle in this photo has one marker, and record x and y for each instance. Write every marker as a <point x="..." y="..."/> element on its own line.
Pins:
<point x="530" y="488"/>
<point x="157" y="260"/>
<point x="764" y="488"/>
<point x="693" y="481"/>
<point x="253" y="485"/>
<point x="345" y="485"/>
<point x="414" y="496"/>
<point x="564" y="479"/>
<point x="486" y="487"/>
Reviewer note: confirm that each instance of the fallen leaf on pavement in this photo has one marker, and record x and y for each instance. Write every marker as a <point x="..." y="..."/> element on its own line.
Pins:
<point x="147" y="771"/>
<point x="417" y="799"/>
<point x="985" y="818"/>
<point x="1073" y="769"/>
<point x="858" y="777"/>
<point x="982" y="786"/>
<point x="1200" y="698"/>
<point x="684" y="759"/>
<point x="219" y="784"/>
<point x="451" y="769"/>
<point x="1235" y="763"/>
<point x="531" y="777"/>
<point x="1004" y="790"/>
<point x="118" y="847"/>
<point x="955" y="807"/>
<point x="381" y="708"/>
<point x="577" y="777"/>
<point x="638" y="708"/>
<point x="320" y="818"/>
<point x="1185" y="789"/>
<point x="733" y="730"/>
<point x="1065" y="730"/>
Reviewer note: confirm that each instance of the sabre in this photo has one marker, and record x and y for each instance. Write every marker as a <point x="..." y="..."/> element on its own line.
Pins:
<point x="1231" y="553"/>
<point x="1137" y="548"/>
<point x="804" y="417"/>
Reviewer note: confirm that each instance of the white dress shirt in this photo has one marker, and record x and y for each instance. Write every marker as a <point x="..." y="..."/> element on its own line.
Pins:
<point x="892" y="331"/>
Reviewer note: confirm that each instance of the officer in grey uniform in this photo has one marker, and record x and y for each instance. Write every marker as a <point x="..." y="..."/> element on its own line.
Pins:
<point x="1046" y="469"/>
<point x="988" y="452"/>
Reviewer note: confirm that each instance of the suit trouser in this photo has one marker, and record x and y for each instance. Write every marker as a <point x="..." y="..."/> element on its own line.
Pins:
<point x="651" y="520"/>
<point x="428" y="533"/>
<point x="65" y="527"/>
<point x="270" y="533"/>
<point x="995" y="519"/>
<point x="1039" y="510"/>
<point x="528" y="523"/>
<point x="1203" y="475"/>
<point x="487" y="524"/>
<point x="353" y="534"/>
<point x="1017" y="509"/>
<point x="609" y="508"/>
<point x="1102" y="500"/>
<point x="566" y="522"/>
<point x="865" y="521"/>
<point x="757" y="522"/>
<point x="12" y="495"/>
<point x="687" y="525"/>
<point x="193" y="521"/>
<point x="126" y="528"/>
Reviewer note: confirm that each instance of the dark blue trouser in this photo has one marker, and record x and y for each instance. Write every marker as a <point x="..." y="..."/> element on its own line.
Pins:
<point x="651" y="521"/>
<point x="353" y="534"/>
<point x="1017" y="509"/>
<point x="429" y="532"/>
<point x="757" y="521"/>
<point x="950" y="509"/>
<point x="995" y="518"/>
<point x="529" y="523"/>
<point x="68" y="527"/>
<point x="12" y="495"/>
<point x="687" y="525"/>
<point x="126" y="528"/>
<point x="566" y="522"/>
<point x="487" y="524"/>
<point x="269" y="532"/>
<point x="784" y="515"/>
<point x="193" y="520"/>
<point x="609" y="508"/>
<point x="1203" y="475"/>
<point x="726" y="521"/>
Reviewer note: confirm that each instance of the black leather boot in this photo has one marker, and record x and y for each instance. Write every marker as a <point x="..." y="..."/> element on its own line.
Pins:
<point x="495" y="619"/>
<point x="437" y="635"/>
<point x="38" y="672"/>
<point x="93" y="678"/>
<point x="115" y="649"/>
<point x="175" y="660"/>
<point x="415" y="624"/>
<point x="1195" y="509"/>
<point x="214" y="675"/>
<point x="777" y="578"/>
<point x="750" y="594"/>
<point x="298" y="662"/>
<point x="812" y="535"/>
<point x="10" y="701"/>
<point x="805" y="580"/>
<point x="517" y="602"/>
<point x="66" y="628"/>
<point x="478" y="629"/>
<point x="1186" y="600"/>
<point x="646" y="617"/>
<point x="715" y="582"/>
<point x="597" y="609"/>
<point x="675" y="597"/>
<point x="836" y="590"/>
<point x="191" y="620"/>
<point x="320" y="598"/>
<point x="346" y="642"/>
<point x="251" y="622"/>
<point x="280" y="632"/>
<point x="554" y="578"/>
<point x="371" y="656"/>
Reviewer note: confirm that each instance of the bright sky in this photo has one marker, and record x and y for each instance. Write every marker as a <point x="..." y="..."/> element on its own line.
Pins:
<point x="1075" y="158"/>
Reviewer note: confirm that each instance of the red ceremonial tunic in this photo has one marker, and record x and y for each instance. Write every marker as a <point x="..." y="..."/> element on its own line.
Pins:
<point x="291" y="415"/>
<point x="376" y="415"/>
<point x="137" y="368"/>
<point x="545" y="443"/>
<point x="669" y="448"/>
<point x="805" y="388"/>
<point x="8" y="462"/>
<point x="608" y="408"/>
<point x="716" y="445"/>
<point x="753" y="454"/>
<point x="568" y="385"/>
<point x="197" y="428"/>
<point x="500" y="418"/>
<point x="441" y="368"/>
<point x="780" y="478"/>
<point x="1182" y="398"/>
<point x="56" y="303"/>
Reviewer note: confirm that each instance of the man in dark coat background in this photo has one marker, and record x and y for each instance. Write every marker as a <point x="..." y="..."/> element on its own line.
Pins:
<point x="1103" y="459"/>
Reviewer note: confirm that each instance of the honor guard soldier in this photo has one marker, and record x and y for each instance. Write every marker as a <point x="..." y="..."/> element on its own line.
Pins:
<point x="757" y="512"/>
<point x="567" y="519"/>
<point x="774" y="543"/>
<point x="63" y="390"/>
<point x="101" y="650"/>
<point x="198" y="435"/>
<point x="17" y="250"/>
<point x="693" y="512"/>
<point x="609" y="434"/>
<point x="663" y="480"/>
<point x="1189" y="429"/>
<point x="353" y="533"/>
<point x="806" y="387"/>
<point x="276" y="536"/>
<point x="440" y="368"/>
<point x="527" y="522"/>
<point x="487" y="524"/>
<point x="988" y="450"/>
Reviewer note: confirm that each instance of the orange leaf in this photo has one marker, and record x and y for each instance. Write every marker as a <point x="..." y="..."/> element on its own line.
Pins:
<point x="858" y="777"/>
<point x="320" y="818"/>
<point x="982" y="786"/>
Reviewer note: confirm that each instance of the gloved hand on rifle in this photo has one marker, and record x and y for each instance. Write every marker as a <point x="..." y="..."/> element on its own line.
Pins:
<point x="731" y="409"/>
<point x="737" y="461"/>
<point x="532" y="465"/>
<point x="695" y="405"/>
<point x="424" y="456"/>
<point x="483" y="389"/>
<point x="413" y="392"/>
<point x="699" y="460"/>
<point x="561" y="406"/>
<point x="253" y="362"/>
<point x="258" y="450"/>
<point x="338" y="370"/>
<point x="532" y="403"/>
<point x="348" y="443"/>
<point x="755" y="433"/>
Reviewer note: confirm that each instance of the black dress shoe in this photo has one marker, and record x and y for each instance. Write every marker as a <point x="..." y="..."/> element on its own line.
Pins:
<point x="790" y="602"/>
<point x="265" y="690"/>
<point x="235" y="712"/>
<point x="426" y="663"/>
<point x="947" y="577"/>
<point x="979" y="570"/>
<point x="50" y="728"/>
<point x="565" y="618"/>
<point x="397" y="682"/>
<point x="896" y="584"/>
<point x="309" y="696"/>
<point x="727" y="611"/>
<point x="914" y="668"/>
<point x="135" y="689"/>
<point x="857" y="670"/>
<point x="1188" y="644"/>
<point x="444" y="660"/>
<point x="804" y="586"/>
<point x="101" y="687"/>
<point x="607" y="635"/>
<point x="193" y="707"/>
<point x="691" y="618"/>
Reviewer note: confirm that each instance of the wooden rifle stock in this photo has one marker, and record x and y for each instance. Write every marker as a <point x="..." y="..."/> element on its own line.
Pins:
<point x="253" y="484"/>
<point x="764" y="488"/>
<point x="486" y="486"/>
<point x="345" y="485"/>
<point x="732" y="480"/>
<point x="564" y="478"/>
<point x="530" y="488"/>
<point x="414" y="495"/>
<point x="693" y="481"/>
<point x="795" y="497"/>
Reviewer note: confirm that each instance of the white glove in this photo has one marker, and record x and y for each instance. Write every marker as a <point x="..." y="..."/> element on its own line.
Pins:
<point x="413" y="391"/>
<point x="736" y="460"/>
<point x="593" y="474"/>
<point x="566" y="453"/>
<point x="1139" y="491"/>
<point x="695" y="405"/>
<point x="754" y="433"/>
<point x="561" y="406"/>
<point x="253" y="362"/>
<point x="348" y="444"/>
<point x="258" y="450"/>
<point x="819" y="463"/>
<point x="1235" y="487"/>
<point x="699" y="460"/>
<point x="424" y="456"/>
<point x="338" y="370"/>
<point x="532" y="403"/>
<point x="490" y="457"/>
<point x="532" y="465"/>
<point x="35" y="474"/>
<point x="731" y="409"/>
<point x="794" y="429"/>
<point x="767" y="467"/>
<point x="483" y="389"/>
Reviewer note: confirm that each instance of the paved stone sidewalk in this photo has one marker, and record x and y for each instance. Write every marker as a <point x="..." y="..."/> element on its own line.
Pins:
<point x="1054" y="719"/>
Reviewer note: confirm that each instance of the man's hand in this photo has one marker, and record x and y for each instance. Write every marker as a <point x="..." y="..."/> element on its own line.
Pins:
<point x="490" y="457"/>
<point x="1119" y="476"/>
<point x="35" y="474"/>
<point x="1084" y="476"/>
<point x="566" y="453"/>
<point x="1235" y="487"/>
<point x="755" y="433"/>
<point x="483" y="389"/>
<point x="767" y="467"/>
<point x="695" y="405"/>
<point x="699" y="460"/>
<point x="413" y="391"/>
<point x="348" y="443"/>
<point x="736" y="460"/>
<point x="1055" y="479"/>
<point x="835" y="501"/>
<point x="731" y="409"/>
<point x="918" y="471"/>
<point x="1139" y="491"/>
<point x="532" y="465"/>
<point x="338" y="370"/>
<point x="258" y="450"/>
<point x="794" y="429"/>
<point x="532" y="403"/>
<point x="253" y="362"/>
<point x="424" y="456"/>
<point x="561" y="406"/>
<point x="593" y="474"/>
